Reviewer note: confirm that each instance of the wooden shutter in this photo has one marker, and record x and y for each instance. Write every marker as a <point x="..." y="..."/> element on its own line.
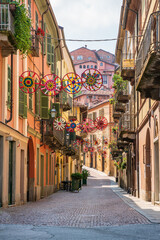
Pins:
<point x="101" y="112"/>
<point x="94" y="116"/>
<point x="9" y="87"/>
<point x="44" y="39"/>
<point x="44" y="106"/>
<point x="29" y="8"/>
<point x="52" y="60"/>
<point x="49" y="49"/>
<point x="30" y="101"/>
<point x="37" y="102"/>
<point x="36" y="20"/>
<point x="22" y="104"/>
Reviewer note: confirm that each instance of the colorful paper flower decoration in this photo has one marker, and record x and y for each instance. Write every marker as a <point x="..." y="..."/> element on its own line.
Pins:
<point x="72" y="83"/>
<point x="101" y="123"/>
<point x="92" y="149"/>
<point x="87" y="126"/>
<point x="92" y="79"/>
<point x="96" y="142"/>
<point x="59" y="124"/>
<point x="85" y="149"/>
<point x="29" y="82"/>
<point x="105" y="141"/>
<point x="72" y="126"/>
<point x="51" y="85"/>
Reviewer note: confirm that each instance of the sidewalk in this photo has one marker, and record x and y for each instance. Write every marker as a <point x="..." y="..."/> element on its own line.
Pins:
<point x="147" y="209"/>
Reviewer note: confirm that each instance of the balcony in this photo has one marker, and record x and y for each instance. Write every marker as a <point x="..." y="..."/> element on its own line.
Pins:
<point x="126" y="128"/>
<point x="119" y="107"/>
<point x="128" y="67"/>
<point x="52" y="137"/>
<point x="123" y="96"/>
<point x="148" y="60"/>
<point x="35" y="44"/>
<point x="66" y="101"/>
<point x="117" y="116"/>
<point x="7" y="40"/>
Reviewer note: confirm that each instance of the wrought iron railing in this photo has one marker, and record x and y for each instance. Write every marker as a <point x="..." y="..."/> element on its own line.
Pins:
<point x="6" y="19"/>
<point x="126" y="123"/>
<point x="150" y="42"/>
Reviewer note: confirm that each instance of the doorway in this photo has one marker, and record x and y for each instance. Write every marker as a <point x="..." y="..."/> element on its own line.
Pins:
<point x="91" y="163"/>
<point x="11" y="175"/>
<point x="30" y="172"/>
<point x="22" y="176"/>
<point x="42" y="176"/>
<point x="102" y="163"/>
<point x="148" y="167"/>
<point x="156" y="172"/>
<point x="1" y="168"/>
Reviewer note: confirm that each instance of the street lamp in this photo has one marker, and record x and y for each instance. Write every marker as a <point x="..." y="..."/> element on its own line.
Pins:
<point x="53" y="112"/>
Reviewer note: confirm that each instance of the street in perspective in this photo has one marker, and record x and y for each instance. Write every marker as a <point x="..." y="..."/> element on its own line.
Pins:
<point x="79" y="119"/>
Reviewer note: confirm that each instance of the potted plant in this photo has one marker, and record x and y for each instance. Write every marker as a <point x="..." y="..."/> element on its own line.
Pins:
<point x="40" y="34"/>
<point x="85" y="174"/>
<point x="76" y="178"/>
<point x="114" y="129"/>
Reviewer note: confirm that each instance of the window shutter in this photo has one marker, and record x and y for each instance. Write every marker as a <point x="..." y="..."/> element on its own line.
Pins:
<point x="30" y="101"/>
<point x="44" y="106"/>
<point x="101" y="112"/>
<point x="36" y="20"/>
<point x="52" y="60"/>
<point x="37" y="102"/>
<point x="29" y="8"/>
<point x="9" y="87"/>
<point x="22" y="104"/>
<point x="94" y="116"/>
<point x="72" y="136"/>
<point x="49" y="49"/>
<point x="44" y="39"/>
<point x="57" y="107"/>
<point x="46" y="168"/>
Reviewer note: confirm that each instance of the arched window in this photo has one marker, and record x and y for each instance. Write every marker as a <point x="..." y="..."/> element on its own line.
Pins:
<point x="80" y="66"/>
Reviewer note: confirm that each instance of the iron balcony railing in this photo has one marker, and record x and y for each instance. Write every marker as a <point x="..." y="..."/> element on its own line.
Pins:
<point x="6" y="19"/>
<point x="126" y="123"/>
<point x="150" y="42"/>
<point x="50" y="132"/>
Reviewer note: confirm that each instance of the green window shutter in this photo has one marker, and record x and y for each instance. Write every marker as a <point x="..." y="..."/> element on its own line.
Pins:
<point x="37" y="102"/>
<point x="36" y="20"/>
<point x="30" y="101"/>
<point x="72" y="136"/>
<point x="46" y="168"/>
<point x="22" y="104"/>
<point x="52" y="60"/>
<point x="57" y="107"/>
<point x="49" y="49"/>
<point x="44" y="106"/>
<point x="44" y="42"/>
<point x="9" y="87"/>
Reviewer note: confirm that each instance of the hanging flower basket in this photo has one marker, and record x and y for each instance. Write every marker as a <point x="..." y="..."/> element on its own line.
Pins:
<point x="40" y="34"/>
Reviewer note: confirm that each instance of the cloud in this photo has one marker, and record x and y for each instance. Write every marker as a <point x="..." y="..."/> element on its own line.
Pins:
<point x="88" y="19"/>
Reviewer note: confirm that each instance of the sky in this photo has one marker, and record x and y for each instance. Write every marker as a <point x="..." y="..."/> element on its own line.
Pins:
<point x="88" y="19"/>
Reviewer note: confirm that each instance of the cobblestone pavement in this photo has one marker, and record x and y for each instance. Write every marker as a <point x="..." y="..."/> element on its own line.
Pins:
<point x="95" y="205"/>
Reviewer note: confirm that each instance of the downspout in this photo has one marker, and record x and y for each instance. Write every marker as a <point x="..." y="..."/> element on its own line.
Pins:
<point x="45" y="37"/>
<point x="11" y="103"/>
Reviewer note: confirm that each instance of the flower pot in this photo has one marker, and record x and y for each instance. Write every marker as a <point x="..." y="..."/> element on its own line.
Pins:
<point x="12" y="7"/>
<point x="84" y="181"/>
<point x="75" y="184"/>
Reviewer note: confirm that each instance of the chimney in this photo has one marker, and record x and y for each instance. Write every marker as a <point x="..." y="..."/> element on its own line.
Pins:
<point x="85" y="46"/>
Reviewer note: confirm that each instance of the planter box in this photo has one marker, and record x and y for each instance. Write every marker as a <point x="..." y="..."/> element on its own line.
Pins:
<point x="84" y="181"/>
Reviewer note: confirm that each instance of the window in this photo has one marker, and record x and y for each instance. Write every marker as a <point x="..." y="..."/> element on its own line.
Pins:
<point x="72" y="57"/>
<point x="29" y="8"/>
<point x="108" y="56"/>
<point x="105" y="79"/>
<point x="44" y="39"/>
<point x="94" y="116"/>
<point x="52" y="60"/>
<point x="101" y="57"/>
<point x="49" y="49"/>
<point x="101" y="64"/>
<point x="89" y="58"/>
<point x="95" y="66"/>
<point x="91" y="66"/>
<point x="9" y="87"/>
<point x="80" y="66"/>
<point x="84" y="66"/>
<point x="87" y="66"/>
<point x="22" y="104"/>
<point x="30" y="101"/>
<point x="80" y="57"/>
<point x="36" y="20"/>
<point x="101" y="112"/>
<point x="37" y="101"/>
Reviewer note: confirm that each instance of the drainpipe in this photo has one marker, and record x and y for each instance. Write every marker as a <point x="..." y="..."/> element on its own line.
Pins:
<point x="11" y="103"/>
<point x="43" y="40"/>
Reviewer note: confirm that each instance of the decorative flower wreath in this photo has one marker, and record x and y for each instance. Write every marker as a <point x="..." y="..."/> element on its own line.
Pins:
<point x="92" y="79"/>
<point x="51" y="85"/>
<point x="59" y="124"/>
<point x="72" y="83"/>
<point x="29" y="81"/>
<point x="105" y="141"/>
<point x="101" y="123"/>
<point x="96" y="142"/>
<point x="87" y="126"/>
<point x="85" y="149"/>
<point x="72" y="125"/>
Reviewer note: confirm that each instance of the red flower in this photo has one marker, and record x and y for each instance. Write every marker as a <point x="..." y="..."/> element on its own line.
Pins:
<point x="40" y="32"/>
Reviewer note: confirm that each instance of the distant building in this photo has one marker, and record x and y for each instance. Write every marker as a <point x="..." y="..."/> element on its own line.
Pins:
<point x="84" y="58"/>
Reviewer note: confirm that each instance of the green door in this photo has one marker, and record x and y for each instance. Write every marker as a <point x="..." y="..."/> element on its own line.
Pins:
<point x="10" y="180"/>
<point x="42" y="175"/>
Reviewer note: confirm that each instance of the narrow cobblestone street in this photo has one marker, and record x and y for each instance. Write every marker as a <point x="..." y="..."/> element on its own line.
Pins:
<point x="95" y="205"/>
